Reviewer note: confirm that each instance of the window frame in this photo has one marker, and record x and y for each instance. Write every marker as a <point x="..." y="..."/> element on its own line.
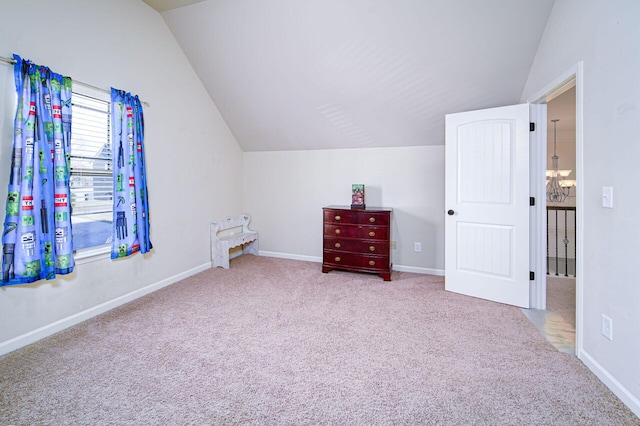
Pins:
<point x="96" y="252"/>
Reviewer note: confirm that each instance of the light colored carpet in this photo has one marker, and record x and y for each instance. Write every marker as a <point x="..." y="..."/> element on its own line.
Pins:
<point x="273" y="341"/>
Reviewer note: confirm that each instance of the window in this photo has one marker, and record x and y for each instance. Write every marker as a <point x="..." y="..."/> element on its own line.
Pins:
<point x="91" y="172"/>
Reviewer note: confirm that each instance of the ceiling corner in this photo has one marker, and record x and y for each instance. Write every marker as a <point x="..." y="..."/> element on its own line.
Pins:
<point x="164" y="5"/>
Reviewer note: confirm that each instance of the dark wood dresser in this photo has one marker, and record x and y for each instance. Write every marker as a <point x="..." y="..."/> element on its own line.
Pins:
<point x="357" y="240"/>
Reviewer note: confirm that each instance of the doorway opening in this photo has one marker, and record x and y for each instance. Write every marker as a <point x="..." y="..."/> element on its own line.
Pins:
<point x="561" y="221"/>
<point x="557" y="322"/>
<point x="558" y="291"/>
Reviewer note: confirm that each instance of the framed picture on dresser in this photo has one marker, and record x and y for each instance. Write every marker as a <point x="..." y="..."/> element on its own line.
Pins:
<point x="357" y="196"/>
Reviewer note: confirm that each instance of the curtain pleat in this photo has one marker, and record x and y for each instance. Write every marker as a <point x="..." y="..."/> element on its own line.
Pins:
<point x="36" y="240"/>
<point x="131" y="200"/>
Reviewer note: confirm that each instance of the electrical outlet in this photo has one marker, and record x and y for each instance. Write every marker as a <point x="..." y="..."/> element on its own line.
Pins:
<point x="417" y="247"/>
<point x="394" y="245"/>
<point x="607" y="327"/>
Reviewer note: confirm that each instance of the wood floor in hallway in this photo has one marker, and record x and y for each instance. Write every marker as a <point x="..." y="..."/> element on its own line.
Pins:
<point x="558" y="322"/>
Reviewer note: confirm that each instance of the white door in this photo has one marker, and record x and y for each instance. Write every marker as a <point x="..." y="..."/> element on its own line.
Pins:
<point x="487" y="202"/>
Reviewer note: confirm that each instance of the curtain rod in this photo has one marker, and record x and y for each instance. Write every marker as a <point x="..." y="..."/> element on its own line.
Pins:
<point x="13" y="62"/>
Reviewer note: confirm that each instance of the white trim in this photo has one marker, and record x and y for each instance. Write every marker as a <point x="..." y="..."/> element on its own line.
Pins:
<point x="399" y="268"/>
<point x="92" y="254"/>
<point x="537" y="216"/>
<point x="615" y="386"/>
<point x="291" y="256"/>
<point x="580" y="226"/>
<point x="52" y="328"/>
<point x="418" y="270"/>
<point x="557" y="86"/>
<point x="553" y="89"/>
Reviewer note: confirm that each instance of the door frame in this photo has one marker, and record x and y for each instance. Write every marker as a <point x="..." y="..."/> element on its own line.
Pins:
<point x="573" y="76"/>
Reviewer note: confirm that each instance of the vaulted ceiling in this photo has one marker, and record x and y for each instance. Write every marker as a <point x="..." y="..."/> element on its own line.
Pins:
<point x="324" y="74"/>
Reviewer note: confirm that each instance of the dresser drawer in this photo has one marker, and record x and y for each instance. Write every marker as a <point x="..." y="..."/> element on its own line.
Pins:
<point x="350" y="260"/>
<point x="378" y="219"/>
<point x="355" y="231"/>
<point x="340" y="216"/>
<point x="356" y="217"/>
<point x="357" y="246"/>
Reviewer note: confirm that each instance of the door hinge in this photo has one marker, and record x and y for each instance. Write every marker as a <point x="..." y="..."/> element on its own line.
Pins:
<point x="532" y="127"/>
<point x="532" y="275"/>
<point x="532" y="201"/>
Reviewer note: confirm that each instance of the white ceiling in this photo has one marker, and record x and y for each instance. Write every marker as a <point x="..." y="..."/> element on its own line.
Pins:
<point x="321" y="74"/>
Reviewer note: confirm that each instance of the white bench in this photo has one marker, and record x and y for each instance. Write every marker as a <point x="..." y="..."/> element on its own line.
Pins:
<point x="220" y="244"/>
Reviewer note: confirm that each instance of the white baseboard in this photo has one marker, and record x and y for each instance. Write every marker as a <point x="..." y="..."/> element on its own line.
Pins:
<point x="400" y="268"/>
<point x="418" y="270"/>
<point x="291" y="256"/>
<point x="49" y="329"/>
<point x="632" y="402"/>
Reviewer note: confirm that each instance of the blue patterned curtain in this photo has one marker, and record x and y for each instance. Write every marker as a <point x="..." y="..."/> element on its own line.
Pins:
<point x="36" y="242"/>
<point x="131" y="201"/>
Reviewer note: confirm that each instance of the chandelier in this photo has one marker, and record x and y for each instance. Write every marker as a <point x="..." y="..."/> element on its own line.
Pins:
<point x="558" y="186"/>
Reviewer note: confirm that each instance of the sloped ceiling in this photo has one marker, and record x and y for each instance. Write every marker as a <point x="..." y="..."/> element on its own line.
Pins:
<point x="324" y="74"/>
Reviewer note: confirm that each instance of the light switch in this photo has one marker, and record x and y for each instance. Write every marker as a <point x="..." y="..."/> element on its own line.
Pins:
<point x="607" y="197"/>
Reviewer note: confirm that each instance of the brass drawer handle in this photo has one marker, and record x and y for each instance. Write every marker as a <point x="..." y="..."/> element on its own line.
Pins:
<point x="338" y="218"/>
<point x="372" y="219"/>
<point x="372" y="234"/>
<point x="337" y="259"/>
<point x="337" y="231"/>
<point x="372" y="248"/>
<point x="372" y="262"/>
<point x="337" y="245"/>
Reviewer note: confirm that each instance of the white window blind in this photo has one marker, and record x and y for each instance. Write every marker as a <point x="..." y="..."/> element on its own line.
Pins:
<point x="91" y="171"/>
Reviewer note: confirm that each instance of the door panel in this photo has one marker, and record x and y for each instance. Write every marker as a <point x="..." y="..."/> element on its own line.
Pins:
<point x="484" y="158"/>
<point x="485" y="249"/>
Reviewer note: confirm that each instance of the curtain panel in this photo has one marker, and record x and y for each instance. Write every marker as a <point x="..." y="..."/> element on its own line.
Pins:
<point x="36" y="239"/>
<point x="130" y="201"/>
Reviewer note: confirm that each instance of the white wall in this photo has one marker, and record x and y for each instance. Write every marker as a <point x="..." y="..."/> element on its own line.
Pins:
<point x="605" y="35"/>
<point x="286" y="190"/>
<point x="194" y="163"/>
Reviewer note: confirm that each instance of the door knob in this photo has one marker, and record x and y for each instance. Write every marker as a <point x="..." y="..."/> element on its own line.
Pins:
<point x="450" y="212"/>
